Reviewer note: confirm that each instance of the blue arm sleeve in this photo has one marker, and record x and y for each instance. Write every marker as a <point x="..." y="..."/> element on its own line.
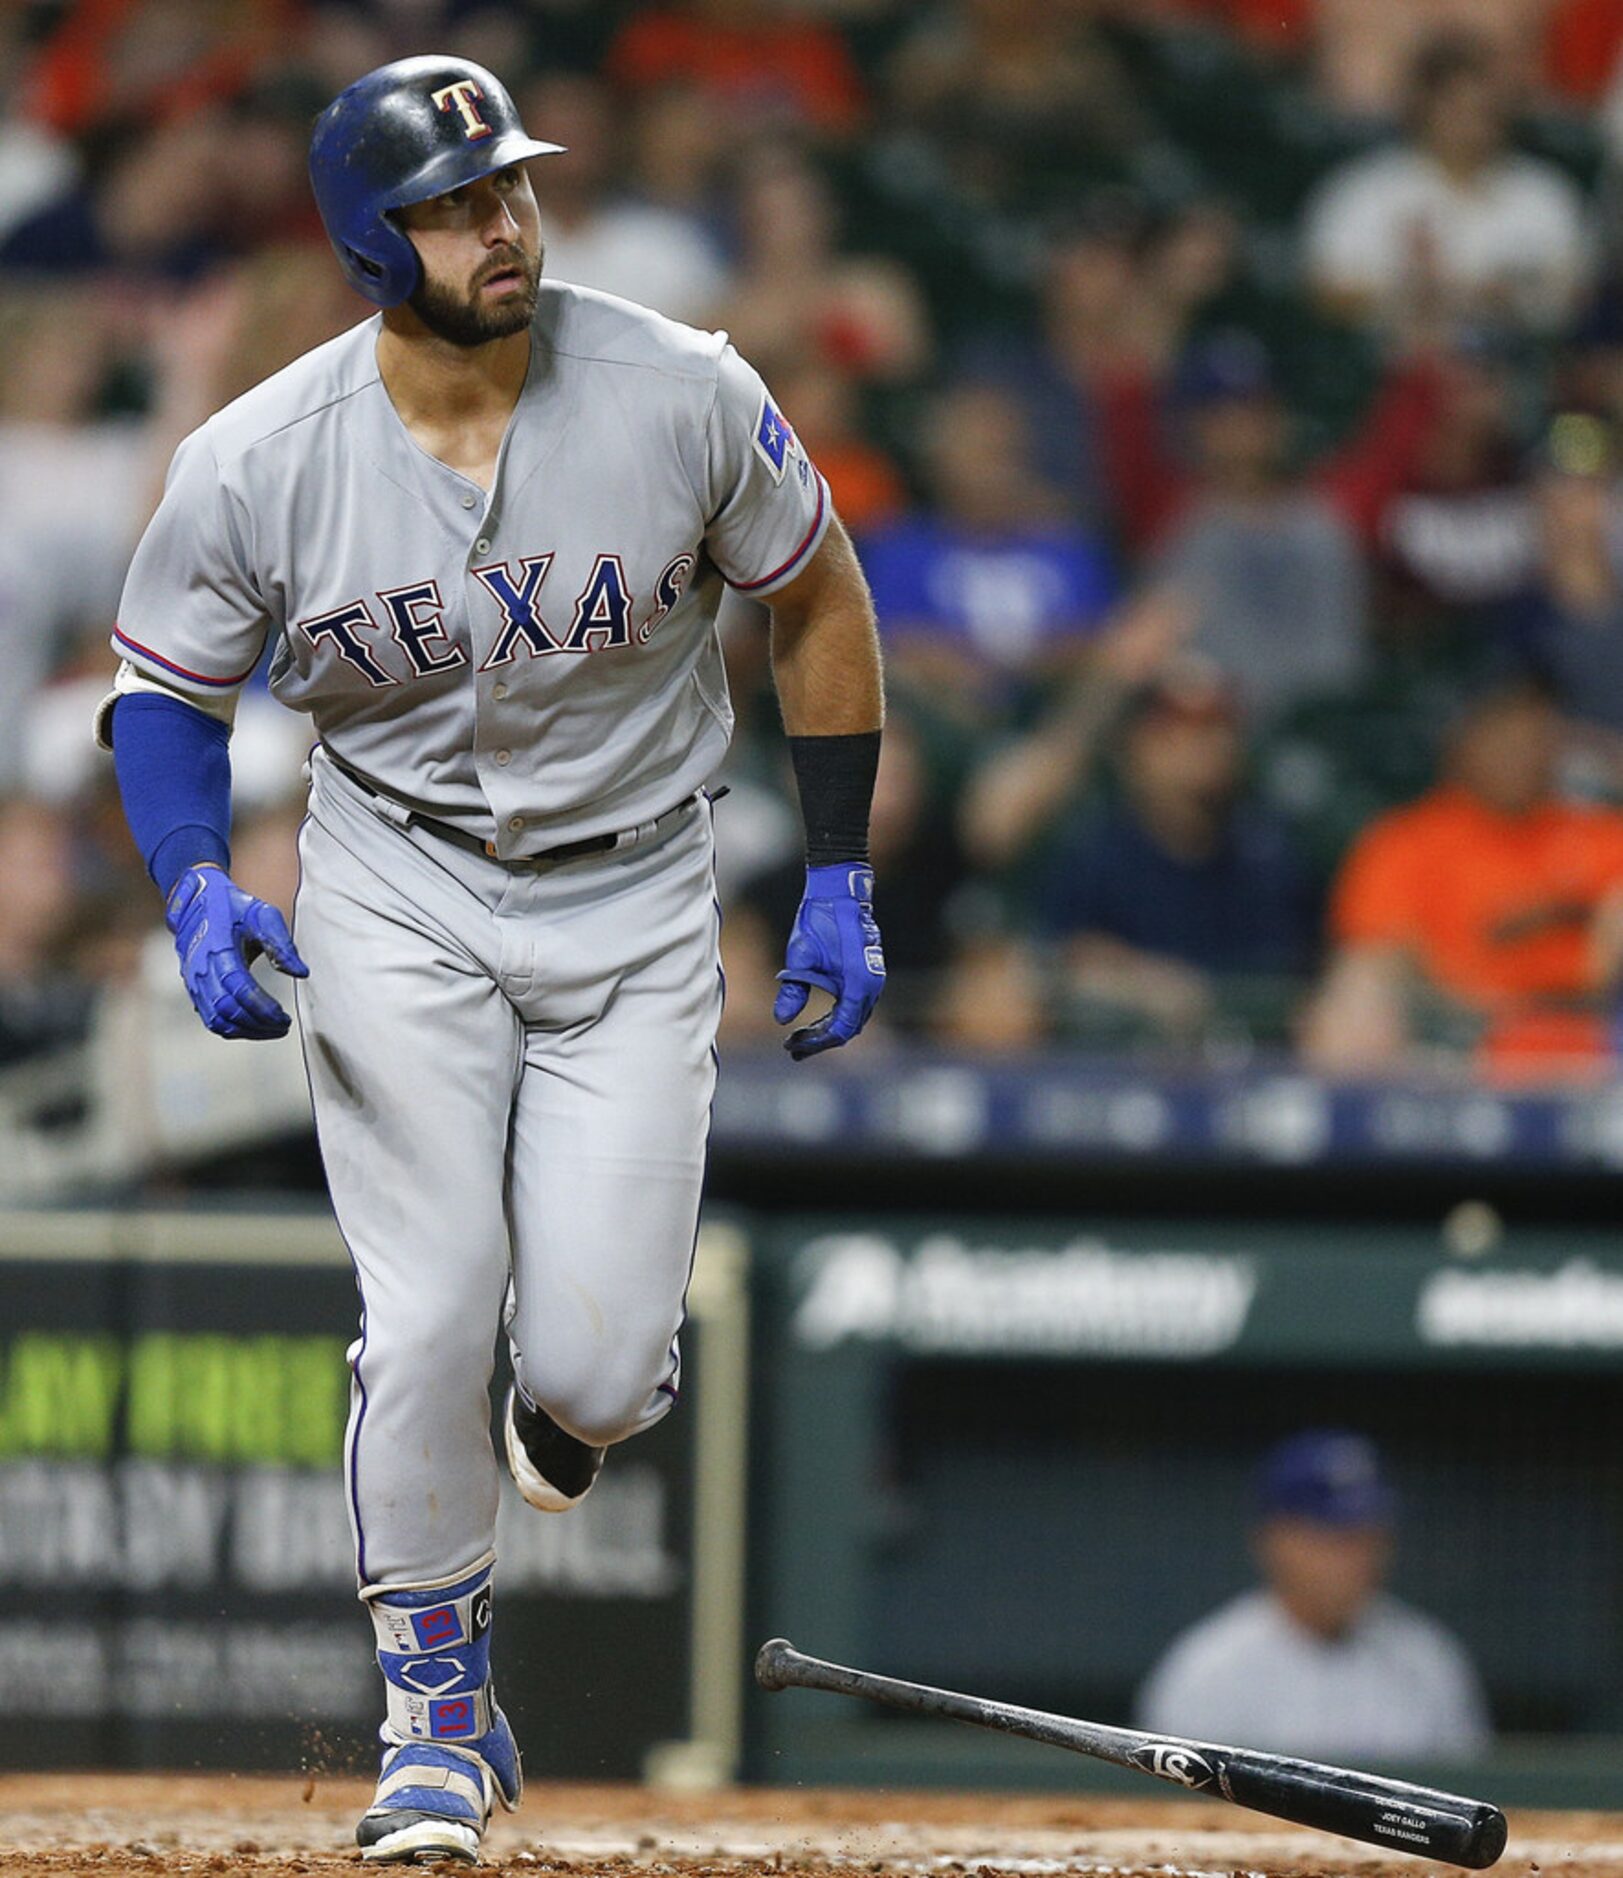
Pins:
<point x="174" y="773"/>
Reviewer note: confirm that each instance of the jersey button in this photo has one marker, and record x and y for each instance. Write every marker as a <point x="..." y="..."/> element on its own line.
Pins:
<point x="504" y="757"/>
<point x="482" y="545"/>
<point x="516" y="824"/>
<point x="498" y="691"/>
<point x="470" y="502"/>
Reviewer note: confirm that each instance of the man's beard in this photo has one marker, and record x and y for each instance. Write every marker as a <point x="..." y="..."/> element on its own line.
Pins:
<point x="464" y="319"/>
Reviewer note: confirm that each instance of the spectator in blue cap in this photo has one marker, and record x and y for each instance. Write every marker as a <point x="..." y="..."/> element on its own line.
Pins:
<point x="1320" y="1660"/>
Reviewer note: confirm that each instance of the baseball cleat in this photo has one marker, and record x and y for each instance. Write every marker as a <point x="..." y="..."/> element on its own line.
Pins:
<point x="434" y="1801"/>
<point x="407" y="1838"/>
<point x="553" y="1470"/>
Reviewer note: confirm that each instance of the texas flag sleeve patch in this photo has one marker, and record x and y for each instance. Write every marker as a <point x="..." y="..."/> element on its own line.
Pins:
<point x="774" y="440"/>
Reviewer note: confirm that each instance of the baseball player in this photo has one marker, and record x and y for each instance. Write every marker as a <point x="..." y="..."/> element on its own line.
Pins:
<point x="486" y="533"/>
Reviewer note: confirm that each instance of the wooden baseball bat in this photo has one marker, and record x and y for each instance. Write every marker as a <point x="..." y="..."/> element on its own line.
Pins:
<point x="1393" y="1813"/>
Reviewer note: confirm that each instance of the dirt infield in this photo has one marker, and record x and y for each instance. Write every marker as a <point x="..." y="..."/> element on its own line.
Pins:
<point x="156" y="1825"/>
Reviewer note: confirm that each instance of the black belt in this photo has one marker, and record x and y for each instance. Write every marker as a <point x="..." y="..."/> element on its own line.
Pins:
<point x="486" y="850"/>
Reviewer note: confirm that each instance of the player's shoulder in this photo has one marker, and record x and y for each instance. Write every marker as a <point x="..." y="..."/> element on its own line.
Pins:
<point x="600" y="330"/>
<point x="316" y="382"/>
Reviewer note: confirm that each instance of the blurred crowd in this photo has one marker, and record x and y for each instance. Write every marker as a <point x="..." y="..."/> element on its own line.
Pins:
<point x="1225" y="396"/>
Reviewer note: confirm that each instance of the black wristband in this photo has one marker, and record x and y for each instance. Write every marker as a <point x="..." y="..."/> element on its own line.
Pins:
<point x="835" y="777"/>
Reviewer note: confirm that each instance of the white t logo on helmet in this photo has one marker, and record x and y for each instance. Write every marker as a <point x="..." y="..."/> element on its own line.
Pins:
<point x="460" y="97"/>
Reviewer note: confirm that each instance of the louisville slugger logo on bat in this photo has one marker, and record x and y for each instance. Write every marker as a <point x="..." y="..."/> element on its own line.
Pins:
<point x="1172" y="1760"/>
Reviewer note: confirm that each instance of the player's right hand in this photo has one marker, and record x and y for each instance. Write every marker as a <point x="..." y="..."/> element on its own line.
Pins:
<point x="219" y="931"/>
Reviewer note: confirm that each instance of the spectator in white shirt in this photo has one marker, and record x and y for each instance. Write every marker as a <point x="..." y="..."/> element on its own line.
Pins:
<point x="1453" y="222"/>
<point x="1319" y="1661"/>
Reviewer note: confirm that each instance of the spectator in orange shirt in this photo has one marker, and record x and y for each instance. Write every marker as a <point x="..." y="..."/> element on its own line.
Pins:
<point x="1490" y="894"/>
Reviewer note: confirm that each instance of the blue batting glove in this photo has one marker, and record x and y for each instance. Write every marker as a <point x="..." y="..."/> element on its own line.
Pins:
<point x="834" y="945"/>
<point x="219" y="931"/>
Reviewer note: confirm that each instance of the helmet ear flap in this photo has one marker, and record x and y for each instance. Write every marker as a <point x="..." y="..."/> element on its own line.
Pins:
<point x="386" y="270"/>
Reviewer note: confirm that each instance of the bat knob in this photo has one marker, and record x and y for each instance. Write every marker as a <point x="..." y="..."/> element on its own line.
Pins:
<point x="771" y="1662"/>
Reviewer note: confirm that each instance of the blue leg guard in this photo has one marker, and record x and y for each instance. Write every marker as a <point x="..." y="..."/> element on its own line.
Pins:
<point x="449" y="1754"/>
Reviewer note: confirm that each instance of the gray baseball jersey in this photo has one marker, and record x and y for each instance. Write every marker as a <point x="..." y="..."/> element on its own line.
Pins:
<point x="535" y="664"/>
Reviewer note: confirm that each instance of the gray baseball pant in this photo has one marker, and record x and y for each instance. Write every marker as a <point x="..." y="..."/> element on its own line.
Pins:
<point x="511" y="1070"/>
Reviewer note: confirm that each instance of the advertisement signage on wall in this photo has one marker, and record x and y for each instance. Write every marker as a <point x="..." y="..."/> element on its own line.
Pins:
<point x="175" y="1556"/>
<point x="1179" y="1293"/>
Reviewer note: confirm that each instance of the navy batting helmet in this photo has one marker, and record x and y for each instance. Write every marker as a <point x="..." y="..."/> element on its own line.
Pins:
<point x="405" y="132"/>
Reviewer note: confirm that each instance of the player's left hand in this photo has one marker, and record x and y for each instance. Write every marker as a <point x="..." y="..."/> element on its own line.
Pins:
<point x="834" y="946"/>
<point x="219" y="931"/>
